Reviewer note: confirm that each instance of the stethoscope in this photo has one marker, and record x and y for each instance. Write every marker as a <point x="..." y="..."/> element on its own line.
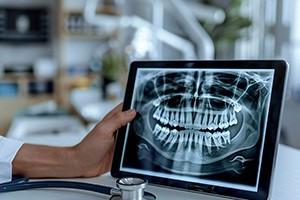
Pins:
<point x="128" y="188"/>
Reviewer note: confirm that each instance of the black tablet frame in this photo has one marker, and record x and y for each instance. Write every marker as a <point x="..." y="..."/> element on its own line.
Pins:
<point x="272" y="130"/>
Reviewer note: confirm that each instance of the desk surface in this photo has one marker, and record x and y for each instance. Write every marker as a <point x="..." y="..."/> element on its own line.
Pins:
<point x="286" y="184"/>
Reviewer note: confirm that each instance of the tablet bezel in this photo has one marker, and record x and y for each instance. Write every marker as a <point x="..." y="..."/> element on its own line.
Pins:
<point x="272" y="130"/>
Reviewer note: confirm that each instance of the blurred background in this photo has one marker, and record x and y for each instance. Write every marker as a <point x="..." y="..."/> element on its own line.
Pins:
<point x="64" y="63"/>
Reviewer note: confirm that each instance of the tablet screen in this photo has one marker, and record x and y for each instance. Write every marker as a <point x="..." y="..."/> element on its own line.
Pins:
<point x="199" y="126"/>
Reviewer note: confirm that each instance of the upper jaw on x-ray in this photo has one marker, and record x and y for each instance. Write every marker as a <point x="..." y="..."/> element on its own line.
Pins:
<point x="200" y="122"/>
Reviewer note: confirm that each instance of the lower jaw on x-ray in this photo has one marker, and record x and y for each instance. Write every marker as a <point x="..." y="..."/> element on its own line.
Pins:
<point x="200" y="123"/>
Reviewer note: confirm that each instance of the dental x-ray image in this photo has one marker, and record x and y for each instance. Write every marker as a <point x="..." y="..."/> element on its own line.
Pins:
<point x="201" y="125"/>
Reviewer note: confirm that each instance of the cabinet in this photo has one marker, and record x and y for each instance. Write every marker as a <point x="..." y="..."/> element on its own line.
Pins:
<point x="31" y="39"/>
<point x="18" y="92"/>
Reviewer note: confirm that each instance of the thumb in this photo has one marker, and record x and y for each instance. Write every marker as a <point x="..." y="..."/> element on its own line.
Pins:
<point x="117" y="120"/>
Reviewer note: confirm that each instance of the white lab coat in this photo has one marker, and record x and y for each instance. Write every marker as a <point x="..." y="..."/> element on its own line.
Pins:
<point x="8" y="151"/>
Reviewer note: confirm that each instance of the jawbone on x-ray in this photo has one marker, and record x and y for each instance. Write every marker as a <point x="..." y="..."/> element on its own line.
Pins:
<point x="200" y="122"/>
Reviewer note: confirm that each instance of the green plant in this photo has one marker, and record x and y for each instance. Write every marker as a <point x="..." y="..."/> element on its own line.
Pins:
<point x="231" y="29"/>
<point x="113" y="65"/>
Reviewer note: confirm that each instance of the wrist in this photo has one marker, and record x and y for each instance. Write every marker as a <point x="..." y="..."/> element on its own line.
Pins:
<point x="89" y="162"/>
<point x="37" y="161"/>
<point x="81" y="161"/>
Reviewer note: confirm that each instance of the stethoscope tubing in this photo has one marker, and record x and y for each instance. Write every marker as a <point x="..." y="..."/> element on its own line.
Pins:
<point x="24" y="185"/>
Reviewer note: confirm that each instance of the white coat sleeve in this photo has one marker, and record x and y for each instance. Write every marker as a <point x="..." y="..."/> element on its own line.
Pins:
<point x="8" y="151"/>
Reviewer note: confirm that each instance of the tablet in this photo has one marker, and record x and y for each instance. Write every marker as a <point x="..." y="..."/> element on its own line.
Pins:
<point x="203" y="126"/>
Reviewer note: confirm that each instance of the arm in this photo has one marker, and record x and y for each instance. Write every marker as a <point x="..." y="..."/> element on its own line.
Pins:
<point x="91" y="157"/>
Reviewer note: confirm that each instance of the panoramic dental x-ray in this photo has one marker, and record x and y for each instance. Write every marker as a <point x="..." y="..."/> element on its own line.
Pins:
<point x="201" y="125"/>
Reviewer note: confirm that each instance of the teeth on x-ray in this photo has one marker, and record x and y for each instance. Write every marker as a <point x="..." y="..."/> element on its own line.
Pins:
<point x="197" y="123"/>
<point x="198" y="118"/>
<point x="190" y="138"/>
<point x="210" y="120"/>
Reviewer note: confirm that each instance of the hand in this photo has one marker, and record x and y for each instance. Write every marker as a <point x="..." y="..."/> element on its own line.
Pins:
<point x="95" y="152"/>
<point x="91" y="157"/>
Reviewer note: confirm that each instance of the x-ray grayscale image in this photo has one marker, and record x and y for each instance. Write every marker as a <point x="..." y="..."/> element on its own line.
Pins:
<point x="200" y="125"/>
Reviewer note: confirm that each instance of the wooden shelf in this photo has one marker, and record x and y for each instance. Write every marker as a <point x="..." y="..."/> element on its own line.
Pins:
<point x="74" y="30"/>
<point x="21" y="77"/>
<point x="86" y="36"/>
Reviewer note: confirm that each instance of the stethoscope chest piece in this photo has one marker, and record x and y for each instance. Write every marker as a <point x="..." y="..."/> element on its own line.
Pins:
<point x="132" y="189"/>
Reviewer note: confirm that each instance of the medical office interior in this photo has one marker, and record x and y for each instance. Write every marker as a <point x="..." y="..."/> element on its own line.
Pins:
<point x="64" y="63"/>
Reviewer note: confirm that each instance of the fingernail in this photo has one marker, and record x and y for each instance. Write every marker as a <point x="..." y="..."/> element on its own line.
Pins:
<point x="129" y="112"/>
